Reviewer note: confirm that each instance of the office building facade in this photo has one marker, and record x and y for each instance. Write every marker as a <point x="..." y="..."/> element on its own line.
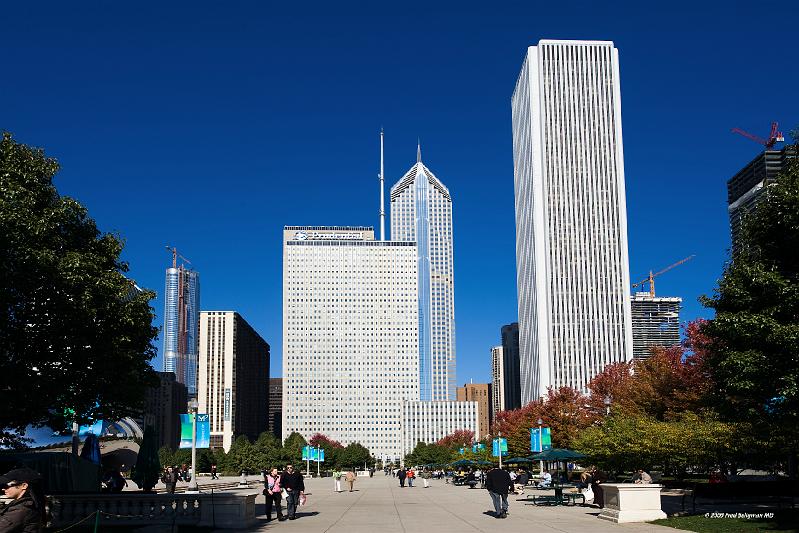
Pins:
<point x="163" y="405"/>
<point x="233" y="377"/>
<point x="350" y="335"/>
<point x="181" y="325"/>
<point x="481" y="394"/>
<point x="421" y="212"/>
<point x="511" y="372"/>
<point x="571" y="218"/>
<point x="428" y="422"/>
<point x="744" y="189"/>
<point x="656" y="322"/>
<point x="276" y="407"/>
<point x="497" y="381"/>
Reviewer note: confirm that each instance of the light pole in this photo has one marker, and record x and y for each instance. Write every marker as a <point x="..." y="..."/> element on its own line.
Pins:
<point x="540" y="445"/>
<point x="193" y="406"/>
<point x="608" y="401"/>
<point x="499" y="448"/>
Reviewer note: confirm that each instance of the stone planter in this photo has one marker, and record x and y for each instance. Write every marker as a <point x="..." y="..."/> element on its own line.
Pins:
<point x="629" y="502"/>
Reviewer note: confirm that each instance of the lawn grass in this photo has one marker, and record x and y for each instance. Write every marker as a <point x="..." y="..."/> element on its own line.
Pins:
<point x="783" y="521"/>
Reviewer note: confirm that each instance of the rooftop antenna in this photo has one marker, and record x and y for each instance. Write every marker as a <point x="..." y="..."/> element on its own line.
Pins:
<point x="418" y="150"/>
<point x="382" y="192"/>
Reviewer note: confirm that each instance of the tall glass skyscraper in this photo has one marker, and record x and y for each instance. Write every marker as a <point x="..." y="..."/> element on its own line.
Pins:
<point x="421" y="211"/>
<point x="571" y="216"/>
<point x="181" y="325"/>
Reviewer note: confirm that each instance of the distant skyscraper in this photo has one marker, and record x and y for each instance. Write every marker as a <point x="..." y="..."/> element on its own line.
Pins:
<point x="350" y="335"/>
<point x="421" y="212"/>
<point x="181" y="325"/>
<point x="276" y="407"/>
<point x="497" y="381"/>
<point x="656" y="322"/>
<point x="512" y="387"/>
<point x="571" y="217"/>
<point x="233" y="378"/>
<point x="480" y="393"/>
<point x="743" y="189"/>
<point x="163" y="405"/>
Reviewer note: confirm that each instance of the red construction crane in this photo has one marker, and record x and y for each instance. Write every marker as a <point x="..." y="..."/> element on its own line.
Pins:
<point x="774" y="136"/>
<point x="651" y="278"/>
<point x="175" y="255"/>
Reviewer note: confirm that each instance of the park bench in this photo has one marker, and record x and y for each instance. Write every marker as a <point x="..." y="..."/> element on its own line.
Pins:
<point x="744" y="491"/>
<point x="567" y="498"/>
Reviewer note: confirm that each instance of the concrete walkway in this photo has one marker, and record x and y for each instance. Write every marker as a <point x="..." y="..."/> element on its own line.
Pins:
<point x="379" y="505"/>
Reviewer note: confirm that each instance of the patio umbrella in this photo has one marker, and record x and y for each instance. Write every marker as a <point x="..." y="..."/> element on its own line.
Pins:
<point x="517" y="460"/>
<point x="558" y="455"/>
<point x="463" y="462"/>
<point x="483" y="462"/>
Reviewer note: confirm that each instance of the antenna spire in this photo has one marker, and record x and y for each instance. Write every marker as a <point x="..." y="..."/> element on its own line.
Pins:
<point x="418" y="150"/>
<point x="382" y="192"/>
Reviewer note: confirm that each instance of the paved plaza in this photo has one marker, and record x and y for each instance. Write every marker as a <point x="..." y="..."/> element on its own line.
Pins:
<point x="379" y="505"/>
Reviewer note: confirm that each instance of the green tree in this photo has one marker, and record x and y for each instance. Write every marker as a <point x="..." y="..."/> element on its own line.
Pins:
<point x="292" y="449"/>
<point x="355" y="455"/>
<point x="74" y="334"/>
<point x="753" y="348"/>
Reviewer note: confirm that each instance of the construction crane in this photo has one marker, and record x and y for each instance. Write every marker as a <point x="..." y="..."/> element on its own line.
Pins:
<point x="651" y="278"/>
<point x="774" y="136"/>
<point x="175" y="255"/>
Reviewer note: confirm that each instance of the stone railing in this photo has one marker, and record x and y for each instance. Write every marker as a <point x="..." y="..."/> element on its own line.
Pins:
<point x="225" y="510"/>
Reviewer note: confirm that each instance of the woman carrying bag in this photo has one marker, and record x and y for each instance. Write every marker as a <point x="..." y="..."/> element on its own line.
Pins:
<point x="272" y="492"/>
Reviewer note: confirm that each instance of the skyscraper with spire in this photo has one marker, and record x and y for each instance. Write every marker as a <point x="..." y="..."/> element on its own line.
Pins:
<point x="421" y="211"/>
<point x="181" y="323"/>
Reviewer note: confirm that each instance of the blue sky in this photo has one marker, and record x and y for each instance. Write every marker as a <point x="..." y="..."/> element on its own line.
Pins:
<point x="210" y="125"/>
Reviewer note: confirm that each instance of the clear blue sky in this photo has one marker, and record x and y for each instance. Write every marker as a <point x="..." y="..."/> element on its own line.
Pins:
<point x="210" y="125"/>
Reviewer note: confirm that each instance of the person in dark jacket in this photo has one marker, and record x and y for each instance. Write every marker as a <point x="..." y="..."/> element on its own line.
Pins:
<point x="401" y="473"/>
<point x="170" y="479"/>
<point x="294" y="486"/>
<point x="25" y="513"/>
<point x="499" y="484"/>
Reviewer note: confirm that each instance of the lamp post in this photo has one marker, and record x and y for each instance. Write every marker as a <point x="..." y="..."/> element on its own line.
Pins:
<point x="193" y="407"/>
<point x="608" y="401"/>
<point x="540" y="445"/>
<point x="499" y="448"/>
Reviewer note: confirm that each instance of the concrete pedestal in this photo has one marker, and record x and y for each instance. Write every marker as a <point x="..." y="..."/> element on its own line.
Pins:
<point x="628" y="502"/>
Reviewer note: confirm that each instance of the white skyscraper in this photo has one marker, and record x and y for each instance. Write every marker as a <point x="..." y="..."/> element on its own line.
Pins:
<point x="421" y="212"/>
<point x="571" y="217"/>
<point x="350" y="335"/>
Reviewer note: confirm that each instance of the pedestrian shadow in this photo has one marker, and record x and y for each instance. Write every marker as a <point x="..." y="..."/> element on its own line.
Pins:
<point x="310" y="513"/>
<point x="492" y="514"/>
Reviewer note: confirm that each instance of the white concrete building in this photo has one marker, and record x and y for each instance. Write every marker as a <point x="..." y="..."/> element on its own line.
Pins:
<point x="427" y="422"/>
<point x="571" y="216"/>
<point x="421" y="212"/>
<point x="233" y="377"/>
<point x="656" y="322"/>
<point x="497" y="380"/>
<point x="350" y="335"/>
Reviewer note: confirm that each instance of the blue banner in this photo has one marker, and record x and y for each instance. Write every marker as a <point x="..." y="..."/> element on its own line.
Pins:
<point x="478" y="446"/>
<point x="540" y="440"/>
<point x="203" y="431"/>
<point x="95" y="429"/>
<point x="499" y="446"/>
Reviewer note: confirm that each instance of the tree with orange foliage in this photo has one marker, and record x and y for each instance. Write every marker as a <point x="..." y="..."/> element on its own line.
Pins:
<point x="457" y="439"/>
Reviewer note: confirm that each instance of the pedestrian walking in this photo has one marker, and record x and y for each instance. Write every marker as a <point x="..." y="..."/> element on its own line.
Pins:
<point x="498" y="483"/>
<point x="337" y="479"/>
<point x="401" y="474"/>
<point x="426" y="475"/>
<point x="350" y="478"/>
<point x="410" y="476"/>
<point x="213" y="472"/>
<point x="294" y="485"/>
<point x="272" y="491"/>
<point x="25" y="513"/>
<point x="170" y="479"/>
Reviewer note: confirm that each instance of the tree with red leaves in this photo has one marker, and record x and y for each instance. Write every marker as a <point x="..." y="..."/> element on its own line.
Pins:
<point x="318" y="439"/>
<point x="459" y="438"/>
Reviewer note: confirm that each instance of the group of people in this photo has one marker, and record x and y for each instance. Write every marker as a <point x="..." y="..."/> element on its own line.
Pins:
<point x="348" y="476"/>
<point x="172" y="474"/>
<point x="287" y="484"/>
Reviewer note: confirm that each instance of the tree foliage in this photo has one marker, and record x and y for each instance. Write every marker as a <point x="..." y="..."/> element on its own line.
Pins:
<point x="753" y="341"/>
<point x="457" y="439"/>
<point x="73" y="333"/>
<point x="434" y="453"/>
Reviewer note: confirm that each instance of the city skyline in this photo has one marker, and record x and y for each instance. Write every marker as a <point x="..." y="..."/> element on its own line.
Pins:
<point x="235" y="113"/>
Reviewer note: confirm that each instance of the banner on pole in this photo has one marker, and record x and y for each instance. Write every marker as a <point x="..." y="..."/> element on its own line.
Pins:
<point x="540" y="439"/>
<point x="203" y="431"/>
<point x="477" y="447"/>
<point x="499" y="447"/>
